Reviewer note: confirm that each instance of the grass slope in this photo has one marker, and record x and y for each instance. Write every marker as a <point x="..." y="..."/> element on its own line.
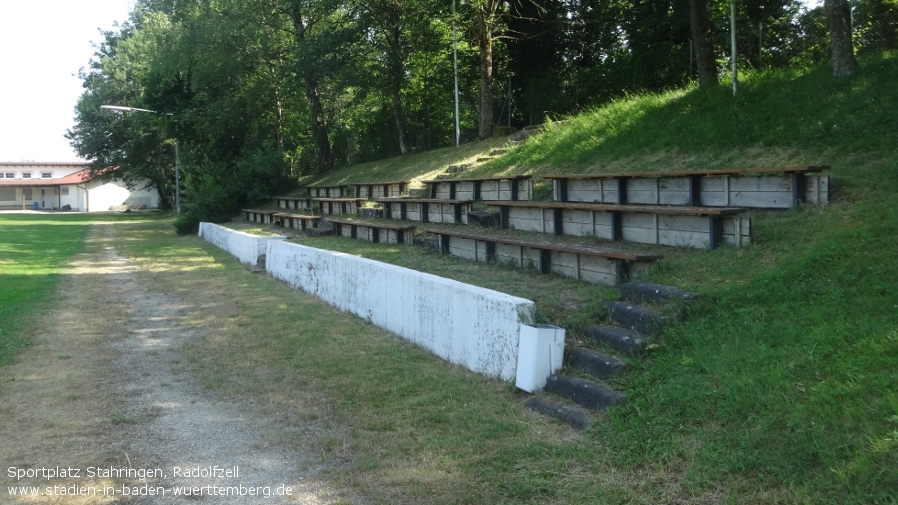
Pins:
<point x="781" y="386"/>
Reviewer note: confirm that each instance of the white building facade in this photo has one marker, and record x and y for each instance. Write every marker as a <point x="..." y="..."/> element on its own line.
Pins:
<point x="66" y="186"/>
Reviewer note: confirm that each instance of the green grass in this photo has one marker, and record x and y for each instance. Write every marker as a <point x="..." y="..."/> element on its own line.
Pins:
<point x="781" y="386"/>
<point x="33" y="254"/>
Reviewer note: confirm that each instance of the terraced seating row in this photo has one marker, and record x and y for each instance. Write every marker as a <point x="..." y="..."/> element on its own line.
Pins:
<point x="698" y="227"/>
<point x="372" y="190"/>
<point x="293" y="202"/>
<point x="373" y="231"/>
<point x="763" y="188"/>
<point x="333" y="206"/>
<point x="427" y="210"/>
<point x="590" y="264"/>
<point x="514" y="187"/>
<point x="297" y="221"/>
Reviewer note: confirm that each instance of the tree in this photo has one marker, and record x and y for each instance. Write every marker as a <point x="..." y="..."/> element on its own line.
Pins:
<point x="701" y="41"/>
<point x="486" y="20"/>
<point x="838" y="20"/>
<point x="136" y="144"/>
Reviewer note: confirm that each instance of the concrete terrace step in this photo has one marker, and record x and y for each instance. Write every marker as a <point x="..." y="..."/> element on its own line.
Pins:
<point x="642" y="292"/>
<point x="622" y="340"/>
<point x="572" y="416"/>
<point x="636" y="317"/>
<point x="598" y="365"/>
<point x="582" y="392"/>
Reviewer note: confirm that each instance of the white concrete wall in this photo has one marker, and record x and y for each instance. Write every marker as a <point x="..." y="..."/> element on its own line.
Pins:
<point x="470" y="326"/>
<point x="106" y="195"/>
<point x="245" y="247"/>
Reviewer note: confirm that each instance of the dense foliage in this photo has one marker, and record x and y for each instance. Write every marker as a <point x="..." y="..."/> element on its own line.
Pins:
<point x="257" y="93"/>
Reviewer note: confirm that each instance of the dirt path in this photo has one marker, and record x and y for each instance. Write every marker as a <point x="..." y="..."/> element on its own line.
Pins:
<point x="103" y="390"/>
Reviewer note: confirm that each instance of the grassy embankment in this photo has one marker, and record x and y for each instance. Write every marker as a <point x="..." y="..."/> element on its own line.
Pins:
<point x="781" y="386"/>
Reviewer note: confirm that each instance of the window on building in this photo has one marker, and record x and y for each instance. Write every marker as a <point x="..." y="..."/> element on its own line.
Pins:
<point x="26" y="175"/>
<point x="64" y="191"/>
<point x="10" y="175"/>
<point x="26" y="193"/>
<point x="46" y="175"/>
<point x="1" y="176"/>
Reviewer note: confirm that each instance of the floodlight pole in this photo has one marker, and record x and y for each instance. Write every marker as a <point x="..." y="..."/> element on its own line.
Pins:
<point x="121" y="108"/>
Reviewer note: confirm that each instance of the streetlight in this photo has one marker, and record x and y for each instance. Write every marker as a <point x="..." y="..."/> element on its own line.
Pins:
<point x="121" y="108"/>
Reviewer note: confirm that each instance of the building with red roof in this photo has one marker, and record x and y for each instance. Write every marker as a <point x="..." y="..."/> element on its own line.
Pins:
<point x="68" y="186"/>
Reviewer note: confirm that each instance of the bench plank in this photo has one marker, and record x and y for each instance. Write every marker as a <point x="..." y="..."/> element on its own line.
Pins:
<point x="689" y="173"/>
<point x="306" y="220"/>
<point x="765" y="188"/>
<point x="697" y="227"/>
<point x="613" y="207"/>
<point x="591" y="264"/>
<point x="394" y="233"/>
<point x="512" y="187"/>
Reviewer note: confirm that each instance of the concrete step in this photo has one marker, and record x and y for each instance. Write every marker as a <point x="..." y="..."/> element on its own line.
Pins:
<point x="319" y="232"/>
<point x="636" y="317"/>
<point x="572" y="416"/>
<point x="622" y="340"/>
<point x="598" y="365"/>
<point x="584" y="393"/>
<point x="643" y="292"/>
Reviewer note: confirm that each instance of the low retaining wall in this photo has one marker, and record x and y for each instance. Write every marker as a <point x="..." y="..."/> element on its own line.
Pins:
<point x="473" y="327"/>
<point x="245" y="247"/>
<point x="480" y="329"/>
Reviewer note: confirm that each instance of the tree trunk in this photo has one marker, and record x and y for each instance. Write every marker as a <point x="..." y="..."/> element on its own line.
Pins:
<point x="838" y="20"/>
<point x="486" y="82"/>
<point x="323" y="152"/>
<point x="397" y="74"/>
<point x="701" y="40"/>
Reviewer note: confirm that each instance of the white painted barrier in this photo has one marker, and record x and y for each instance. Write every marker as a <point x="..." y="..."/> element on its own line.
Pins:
<point x="478" y="328"/>
<point x="244" y="246"/>
<point x="467" y="325"/>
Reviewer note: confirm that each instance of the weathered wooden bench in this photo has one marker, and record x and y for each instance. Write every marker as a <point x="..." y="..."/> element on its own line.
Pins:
<point x="377" y="232"/>
<point x="699" y="227"/>
<point x="591" y="264"/>
<point x="427" y="210"/>
<point x="777" y="188"/>
<point x="305" y="221"/>
<point x="327" y="191"/>
<point x="512" y="187"/>
<point x="373" y="190"/>
<point x="265" y="216"/>
<point x="293" y="202"/>
<point x="331" y="206"/>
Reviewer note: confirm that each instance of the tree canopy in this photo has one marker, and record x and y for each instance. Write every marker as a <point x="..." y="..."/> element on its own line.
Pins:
<point x="259" y="92"/>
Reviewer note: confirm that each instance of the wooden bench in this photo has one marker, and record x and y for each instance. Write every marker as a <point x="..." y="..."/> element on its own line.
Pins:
<point x="305" y="221"/>
<point x="512" y="187"/>
<point x="591" y="264"/>
<point x="389" y="233"/>
<point x="293" y="202"/>
<point x="326" y="191"/>
<point x="427" y="210"/>
<point x="265" y="216"/>
<point x="372" y="190"/>
<point x="699" y="227"/>
<point x="330" y="206"/>
<point x="776" y="188"/>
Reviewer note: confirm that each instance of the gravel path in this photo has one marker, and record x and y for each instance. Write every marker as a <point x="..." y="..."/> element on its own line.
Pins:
<point x="111" y="398"/>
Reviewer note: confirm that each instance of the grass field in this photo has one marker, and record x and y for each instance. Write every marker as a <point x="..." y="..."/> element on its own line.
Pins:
<point x="33" y="251"/>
